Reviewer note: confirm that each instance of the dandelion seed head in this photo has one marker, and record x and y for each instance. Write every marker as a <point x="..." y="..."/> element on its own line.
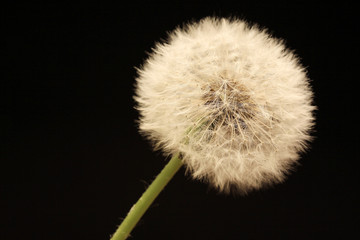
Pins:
<point x="231" y="99"/>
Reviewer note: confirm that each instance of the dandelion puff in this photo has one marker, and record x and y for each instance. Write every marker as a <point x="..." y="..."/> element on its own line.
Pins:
<point x="231" y="99"/>
<point x="228" y="101"/>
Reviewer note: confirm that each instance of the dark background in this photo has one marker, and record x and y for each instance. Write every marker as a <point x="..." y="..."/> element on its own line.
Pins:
<point x="73" y="163"/>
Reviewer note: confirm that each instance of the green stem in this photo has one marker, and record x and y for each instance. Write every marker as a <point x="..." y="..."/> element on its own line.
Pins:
<point x="138" y="210"/>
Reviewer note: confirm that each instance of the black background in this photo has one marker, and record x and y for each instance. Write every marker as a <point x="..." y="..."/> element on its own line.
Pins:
<point x="73" y="163"/>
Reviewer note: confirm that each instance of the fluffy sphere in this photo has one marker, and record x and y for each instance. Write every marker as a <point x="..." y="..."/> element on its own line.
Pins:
<point x="231" y="99"/>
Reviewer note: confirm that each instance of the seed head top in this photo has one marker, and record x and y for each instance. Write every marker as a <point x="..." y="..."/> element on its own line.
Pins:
<point x="231" y="99"/>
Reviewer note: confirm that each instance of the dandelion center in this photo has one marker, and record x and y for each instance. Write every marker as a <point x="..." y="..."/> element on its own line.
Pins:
<point x="230" y="104"/>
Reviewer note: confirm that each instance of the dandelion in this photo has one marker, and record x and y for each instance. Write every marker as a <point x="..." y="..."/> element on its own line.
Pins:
<point x="229" y="101"/>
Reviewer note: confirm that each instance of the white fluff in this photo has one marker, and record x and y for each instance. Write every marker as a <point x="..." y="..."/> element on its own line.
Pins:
<point x="231" y="99"/>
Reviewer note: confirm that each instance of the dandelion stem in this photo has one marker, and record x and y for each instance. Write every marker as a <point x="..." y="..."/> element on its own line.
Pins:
<point x="139" y="208"/>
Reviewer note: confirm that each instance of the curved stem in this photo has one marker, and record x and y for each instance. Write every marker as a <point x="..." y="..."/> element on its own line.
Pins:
<point x="139" y="208"/>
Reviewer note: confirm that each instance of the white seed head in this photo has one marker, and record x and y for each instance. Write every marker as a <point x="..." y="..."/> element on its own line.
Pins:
<point x="231" y="99"/>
